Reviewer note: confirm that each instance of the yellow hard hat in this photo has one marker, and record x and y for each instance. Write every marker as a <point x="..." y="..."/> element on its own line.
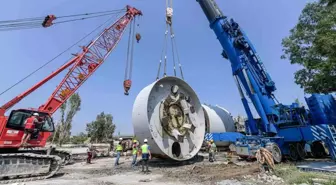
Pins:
<point x="134" y="141"/>
<point x="211" y="141"/>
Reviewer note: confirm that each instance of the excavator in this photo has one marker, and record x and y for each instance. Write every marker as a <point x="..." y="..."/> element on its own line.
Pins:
<point x="36" y="162"/>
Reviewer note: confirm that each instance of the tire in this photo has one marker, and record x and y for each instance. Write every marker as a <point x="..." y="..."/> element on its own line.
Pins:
<point x="318" y="150"/>
<point x="276" y="152"/>
<point x="301" y="151"/>
<point x="293" y="155"/>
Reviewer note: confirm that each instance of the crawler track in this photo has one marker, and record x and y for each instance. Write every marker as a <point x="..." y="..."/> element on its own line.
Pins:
<point x="23" y="167"/>
<point x="65" y="156"/>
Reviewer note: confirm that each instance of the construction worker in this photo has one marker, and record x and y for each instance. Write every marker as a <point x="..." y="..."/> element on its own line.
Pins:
<point x="146" y="155"/>
<point x="134" y="152"/>
<point x="119" y="149"/>
<point x="212" y="150"/>
<point x="29" y="128"/>
<point x="90" y="151"/>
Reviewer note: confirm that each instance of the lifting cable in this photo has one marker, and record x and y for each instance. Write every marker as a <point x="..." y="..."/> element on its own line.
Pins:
<point x="129" y="57"/>
<point x="169" y="28"/>
<point x="48" y="62"/>
<point x="48" y="21"/>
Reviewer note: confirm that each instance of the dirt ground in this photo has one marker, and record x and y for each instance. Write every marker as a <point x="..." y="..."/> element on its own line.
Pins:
<point x="205" y="172"/>
<point x="102" y="171"/>
<point x="163" y="172"/>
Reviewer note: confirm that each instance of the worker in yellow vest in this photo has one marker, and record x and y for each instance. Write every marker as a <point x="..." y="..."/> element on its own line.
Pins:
<point x="119" y="149"/>
<point x="146" y="155"/>
<point x="212" y="150"/>
<point x="134" y="152"/>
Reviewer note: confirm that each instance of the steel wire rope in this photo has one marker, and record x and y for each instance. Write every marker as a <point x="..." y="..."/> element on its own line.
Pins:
<point x="165" y="52"/>
<point x="169" y="4"/>
<point x="12" y="26"/>
<point x="45" y="64"/>
<point x="128" y="51"/>
<point x="76" y="15"/>
<point x="19" y="24"/>
<point x="84" y="18"/>
<point x="132" y="50"/>
<point x="177" y="53"/>
<point x="36" y="22"/>
<point x="173" y="53"/>
<point x="21" y="28"/>
<point x="21" y="20"/>
<point x="59" y="17"/>
<point x="162" y="51"/>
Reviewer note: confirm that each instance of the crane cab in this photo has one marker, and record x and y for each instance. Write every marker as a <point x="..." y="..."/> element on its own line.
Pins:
<point x="12" y="129"/>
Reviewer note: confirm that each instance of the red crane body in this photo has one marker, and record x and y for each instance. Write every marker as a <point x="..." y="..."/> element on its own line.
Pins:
<point x="82" y="66"/>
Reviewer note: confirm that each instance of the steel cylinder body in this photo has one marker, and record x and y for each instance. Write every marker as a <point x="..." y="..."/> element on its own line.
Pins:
<point x="169" y="115"/>
<point x="218" y="120"/>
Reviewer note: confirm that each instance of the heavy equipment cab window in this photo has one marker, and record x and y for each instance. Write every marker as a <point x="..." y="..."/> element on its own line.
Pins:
<point x="47" y="124"/>
<point x="17" y="119"/>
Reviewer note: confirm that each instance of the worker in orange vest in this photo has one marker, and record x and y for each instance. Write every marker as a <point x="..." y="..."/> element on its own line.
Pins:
<point x="29" y="128"/>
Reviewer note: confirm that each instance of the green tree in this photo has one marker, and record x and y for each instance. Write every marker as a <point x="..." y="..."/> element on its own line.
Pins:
<point x="79" y="139"/>
<point x="68" y="111"/>
<point x="312" y="45"/>
<point x="102" y="129"/>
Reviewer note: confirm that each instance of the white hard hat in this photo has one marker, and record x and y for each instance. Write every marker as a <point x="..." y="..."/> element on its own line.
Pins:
<point x="120" y="139"/>
<point x="145" y="140"/>
<point x="36" y="114"/>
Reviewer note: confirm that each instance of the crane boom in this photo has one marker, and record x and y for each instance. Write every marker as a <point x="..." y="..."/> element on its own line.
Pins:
<point x="18" y="98"/>
<point x="14" y="132"/>
<point x="87" y="62"/>
<point x="281" y="129"/>
<point x="247" y="68"/>
<point x="83" y="65"/>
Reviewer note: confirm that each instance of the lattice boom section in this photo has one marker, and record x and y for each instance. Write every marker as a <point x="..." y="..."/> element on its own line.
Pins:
<point x="87" y="62"/>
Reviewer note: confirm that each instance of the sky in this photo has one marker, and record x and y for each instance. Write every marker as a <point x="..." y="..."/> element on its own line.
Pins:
<point x="265" y="22"/>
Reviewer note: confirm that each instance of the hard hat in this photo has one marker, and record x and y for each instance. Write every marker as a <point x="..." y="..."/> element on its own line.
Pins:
<point x="211" y="141"/>
<point x="120" y="139"/>
<point x="134" y="141"/>
<point x="145" y="140"/>
<point x="36" y="114"/>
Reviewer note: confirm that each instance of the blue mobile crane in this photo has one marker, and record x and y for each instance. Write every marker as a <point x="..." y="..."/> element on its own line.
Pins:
<point x="285" y="130"/>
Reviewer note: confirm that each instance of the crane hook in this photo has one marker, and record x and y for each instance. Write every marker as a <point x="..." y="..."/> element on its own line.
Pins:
<point x="127" y="86"/>
<point x="138" y="37"/>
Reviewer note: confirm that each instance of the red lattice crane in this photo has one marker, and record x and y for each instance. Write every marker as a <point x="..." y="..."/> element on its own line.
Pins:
<point x="81" y="67"/>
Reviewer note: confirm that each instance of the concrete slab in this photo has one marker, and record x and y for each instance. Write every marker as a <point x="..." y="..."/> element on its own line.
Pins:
<point x="318" y="166"/>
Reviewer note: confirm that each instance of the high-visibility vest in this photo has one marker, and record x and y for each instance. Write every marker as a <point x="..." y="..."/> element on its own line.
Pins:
<point x="30" y="122"/>
<point x="144" y="149"/>
<point x="212" y="147"/>
<point x="119" y="147"/>
<point x="135" y="150"/>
